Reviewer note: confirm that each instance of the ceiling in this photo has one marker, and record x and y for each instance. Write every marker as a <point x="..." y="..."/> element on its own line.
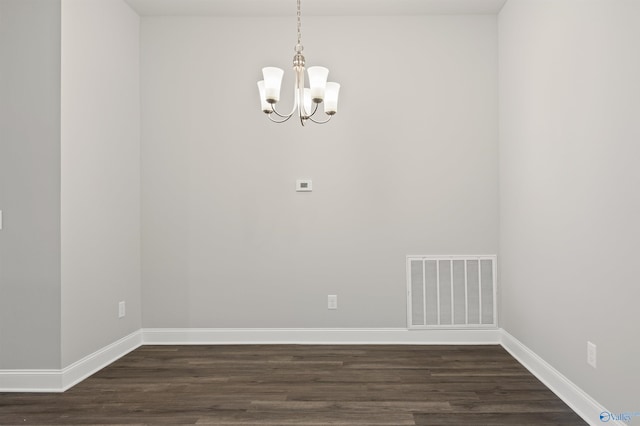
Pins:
<point x="313" y="7"/>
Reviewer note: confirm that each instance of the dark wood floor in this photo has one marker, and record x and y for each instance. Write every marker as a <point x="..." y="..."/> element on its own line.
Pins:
<point x="301" y="385"/>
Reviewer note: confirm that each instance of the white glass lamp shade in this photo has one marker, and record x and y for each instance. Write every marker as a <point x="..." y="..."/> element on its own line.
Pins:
<point x="317" y="82"/>
<point x="266" y="106"/>
<point x="272" y="82"/>
<point x="331" y="98"/>
<point x="307" y="101"/>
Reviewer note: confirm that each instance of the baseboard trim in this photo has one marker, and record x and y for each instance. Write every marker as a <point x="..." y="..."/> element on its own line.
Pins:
<point x="585" y="406"/>
<point x="80" y="370"/>
<point x="65" y="378"/>
<point x="30" y="381"/>
<point x="318" y="336"/>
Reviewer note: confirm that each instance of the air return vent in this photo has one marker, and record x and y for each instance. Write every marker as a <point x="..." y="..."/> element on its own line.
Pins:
<point x="451" y="291"/>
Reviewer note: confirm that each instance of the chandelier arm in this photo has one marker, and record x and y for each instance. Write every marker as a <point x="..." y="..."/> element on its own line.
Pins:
<point x="279" y="121"/>
<point x="301" y="110"/>
<point x="321" y="122"/>
<point x="287" y="116"/>
<point x="302" y="113"/>
<point x="315" y="109"/>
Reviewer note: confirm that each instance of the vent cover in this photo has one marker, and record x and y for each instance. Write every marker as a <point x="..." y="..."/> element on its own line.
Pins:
<point x="451" y="292"/>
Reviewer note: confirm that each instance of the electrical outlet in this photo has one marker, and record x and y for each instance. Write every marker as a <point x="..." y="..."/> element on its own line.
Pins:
<point x="591" y="354"/>
<point x="121" y="310"/>
<point x="332" y="301"/>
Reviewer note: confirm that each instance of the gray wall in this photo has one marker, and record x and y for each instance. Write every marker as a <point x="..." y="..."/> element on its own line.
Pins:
<point x="30" y="184"/>
<point x="408" y="166"/>
<point x="569" y="179"/>
<point x="100" y="175"/>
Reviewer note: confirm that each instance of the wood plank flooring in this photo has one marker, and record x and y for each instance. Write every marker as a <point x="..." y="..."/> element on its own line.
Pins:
<point x="301" y="385"/>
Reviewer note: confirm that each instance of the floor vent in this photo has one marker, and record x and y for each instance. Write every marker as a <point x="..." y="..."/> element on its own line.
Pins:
<point x="451" y="292"/>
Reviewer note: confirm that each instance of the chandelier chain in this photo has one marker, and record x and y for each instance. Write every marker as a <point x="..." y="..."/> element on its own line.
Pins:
<point x="299" y="25"/>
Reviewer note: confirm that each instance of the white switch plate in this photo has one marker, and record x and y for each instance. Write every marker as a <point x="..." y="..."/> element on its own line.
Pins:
<point x="332" y="301"/>
<point x="121" y="310"/>
<point x="591" y="354"/>
<point x="304" y="185"/>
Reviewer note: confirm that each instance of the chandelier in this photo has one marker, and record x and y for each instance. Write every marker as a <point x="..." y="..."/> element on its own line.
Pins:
<point x="306" y="99"/>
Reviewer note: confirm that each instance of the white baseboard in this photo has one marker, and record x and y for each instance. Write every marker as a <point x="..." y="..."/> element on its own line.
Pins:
<point x="30" y="381"/>
<point x="63" y="379"/>
<point x="585" y="406"/>
<point x="80" y="370"/>
<point x="320" y="336"/>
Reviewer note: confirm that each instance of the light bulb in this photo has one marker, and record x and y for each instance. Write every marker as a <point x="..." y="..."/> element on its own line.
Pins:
<point x="307" y="101"/>
<point x="317" y="82"/>
<point x="266" y="106"/>
<point x="272" y="83"/>
<point x="331" y="98"/>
